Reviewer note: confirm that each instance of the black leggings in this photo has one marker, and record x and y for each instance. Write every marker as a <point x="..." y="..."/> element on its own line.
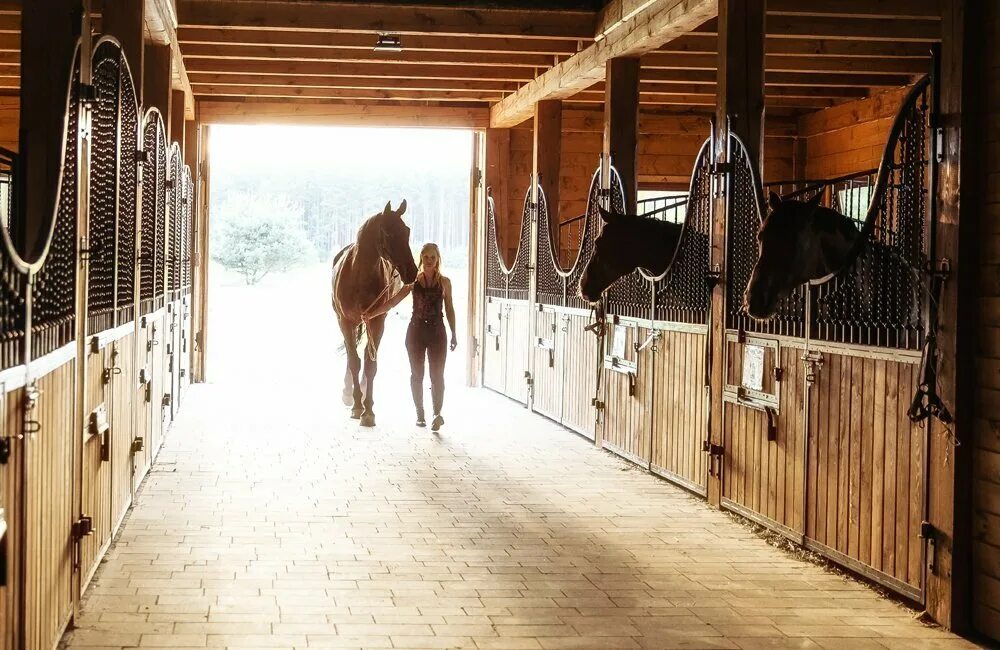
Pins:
<point x="427" y="338"/>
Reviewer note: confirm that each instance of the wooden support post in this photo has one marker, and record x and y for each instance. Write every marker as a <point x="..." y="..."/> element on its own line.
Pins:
<point x="126" y="21"/>
<point x="621" y="123"/>
<point x="177" y="120"/>
<point x="49" y="32"/>
<point x="498" y="180"/>
<point x="199" y="290"/>
<point x="740" y="104"/>
<point x="546" y="157"/>
<point x="477" y="244"/>
<point x="156" y="82"/>
<point x="959" y="203"/>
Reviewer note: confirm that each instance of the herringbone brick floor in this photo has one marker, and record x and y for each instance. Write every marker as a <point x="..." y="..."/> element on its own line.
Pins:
<point x="271" y="520"/>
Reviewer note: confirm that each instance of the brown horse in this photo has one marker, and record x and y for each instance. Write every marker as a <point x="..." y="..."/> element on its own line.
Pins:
<point x="365" y="275"/>
<point x="798" y="241"/>
<point x="627" y="243"/>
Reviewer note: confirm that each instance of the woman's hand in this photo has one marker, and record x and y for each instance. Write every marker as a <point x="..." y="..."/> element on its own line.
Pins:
<point x="454" y="342"/>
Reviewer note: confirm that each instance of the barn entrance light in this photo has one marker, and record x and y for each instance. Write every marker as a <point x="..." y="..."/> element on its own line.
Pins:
<point x="388" y="43"/>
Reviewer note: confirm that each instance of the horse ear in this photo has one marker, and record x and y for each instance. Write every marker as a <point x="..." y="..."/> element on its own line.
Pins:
<point x="388" y="207"/>
<point x="773" y="200"/>
<point x="606" y="216"/>
<point x="401" y="209"/>
<point x="814" y="200"/>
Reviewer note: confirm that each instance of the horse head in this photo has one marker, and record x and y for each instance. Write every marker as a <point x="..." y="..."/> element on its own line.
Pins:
<point x="394" y="242"/>
<point x="798" y="241"/>
<point x="626" y="243"/>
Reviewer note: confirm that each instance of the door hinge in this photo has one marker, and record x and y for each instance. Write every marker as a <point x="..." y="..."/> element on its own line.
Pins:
<point x="83" y="527"/>
<point x="597" y="404"/>
<point x="138" y="444"/>
<point x="166" y="399"/>
<point x="528" y="379"/>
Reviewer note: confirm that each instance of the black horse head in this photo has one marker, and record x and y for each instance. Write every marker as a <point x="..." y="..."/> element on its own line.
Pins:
<point x="393" y="242"/>
<point x="798" y="241"/>
<point x="627" y="243"/>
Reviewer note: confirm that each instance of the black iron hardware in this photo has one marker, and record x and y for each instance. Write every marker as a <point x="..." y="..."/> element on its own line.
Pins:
<point x="83" y="527"/>
<point x="929" y="534"/>
<point x="138" y="444"/>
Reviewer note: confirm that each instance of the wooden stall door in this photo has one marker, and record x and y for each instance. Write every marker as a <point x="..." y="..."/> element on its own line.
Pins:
<point x="12" y="485"/>
<point x="142" y="455"/>
<point x="547" y="366"/>
<point x="494" y="346"/>
<point x="763" y="463"/>
<point x="680" y="407"/>
<point x="627" y="382"/>
<point x="580" y="363"/>
<point x="49" y="508"/>
<point x="518" y="341"/>
<point x="173" y="359"/>
<point x="866" y="466"/>
<point x="96" y="487"/>
<point x="123" y="407"/>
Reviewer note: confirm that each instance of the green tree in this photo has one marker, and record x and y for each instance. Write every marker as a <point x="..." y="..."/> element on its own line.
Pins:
<point x="257" y="235"/>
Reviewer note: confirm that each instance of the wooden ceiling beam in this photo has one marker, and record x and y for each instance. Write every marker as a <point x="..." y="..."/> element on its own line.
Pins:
<point x="282" y="53"/>
<point x="386" y="83"/>
<point x="345" y="93"/>
<point x="372" y="18"/>
<point x="363" y="41"/>
<point x="656" y="23"/>
<point x="869" y="29"/>
<point x="370" y="69"/>
<point x="670" y="60"/>
<point x="329" y="113"/>
<point x="707" y="43"/>
<point x="654" y="75"/>
<point x="884" y="9"/>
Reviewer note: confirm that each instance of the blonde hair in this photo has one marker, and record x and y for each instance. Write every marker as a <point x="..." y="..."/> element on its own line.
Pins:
<point x="430" y="246"/>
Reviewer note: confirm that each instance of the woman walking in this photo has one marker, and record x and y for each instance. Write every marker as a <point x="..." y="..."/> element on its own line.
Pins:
<point x="425" y="337"/>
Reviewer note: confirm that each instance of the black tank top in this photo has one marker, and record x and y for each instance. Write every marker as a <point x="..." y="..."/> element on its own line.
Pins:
<point x="427" y="302"/>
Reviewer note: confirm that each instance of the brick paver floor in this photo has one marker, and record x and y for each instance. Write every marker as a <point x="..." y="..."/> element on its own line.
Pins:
<point x="271" y="520"/>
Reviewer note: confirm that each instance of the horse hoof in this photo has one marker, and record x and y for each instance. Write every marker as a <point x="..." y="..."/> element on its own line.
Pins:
<point x="356" y="414"/>
<point x="367" y="420"/>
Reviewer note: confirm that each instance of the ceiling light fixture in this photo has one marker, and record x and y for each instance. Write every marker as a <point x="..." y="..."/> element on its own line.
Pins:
<point x="388" y="43"/>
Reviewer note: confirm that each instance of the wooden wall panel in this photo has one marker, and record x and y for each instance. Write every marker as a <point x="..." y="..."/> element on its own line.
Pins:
<point x="49" y="511"/>
<point x="866" y="465"/>
<point x="494" y="347"/>
<point x="680" y="408"/>
<point x="762" y="476"/>
<point x="10" y="122"/>
<point x="580" y="375"/>
<point x="124" y="405"/>
<point x="986" y="452"/>
<point x="518" y="319"/>
<point x="627" y="417"/>
<point x="849" y="137"/>
<point x="11" y="493"/>
<point x="546" y="367"/>
<point x="96" y="488"/>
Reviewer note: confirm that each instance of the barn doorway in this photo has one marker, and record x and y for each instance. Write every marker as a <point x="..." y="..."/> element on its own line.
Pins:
<point x="284" y="200"/>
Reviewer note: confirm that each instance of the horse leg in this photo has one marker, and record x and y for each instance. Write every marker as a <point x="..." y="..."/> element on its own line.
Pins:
<point x="352" y="386"/>
<point x="375" y="329"/>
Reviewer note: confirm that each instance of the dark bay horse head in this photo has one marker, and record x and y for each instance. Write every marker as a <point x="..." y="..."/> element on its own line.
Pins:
<point x="393" y="240"/>
<point x="626" y="243"/>
<point x="798" y="241"/>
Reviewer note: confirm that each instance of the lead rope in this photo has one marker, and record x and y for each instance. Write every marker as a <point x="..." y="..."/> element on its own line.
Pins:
<point x="370" y="348"/>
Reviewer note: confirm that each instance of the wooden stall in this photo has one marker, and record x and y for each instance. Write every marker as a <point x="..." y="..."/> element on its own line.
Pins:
<point x="78" y="310"/>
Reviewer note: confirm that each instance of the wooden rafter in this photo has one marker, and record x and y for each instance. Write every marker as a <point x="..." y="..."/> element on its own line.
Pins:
<point x="355" y="40"/>
<point x="326" y="17"/>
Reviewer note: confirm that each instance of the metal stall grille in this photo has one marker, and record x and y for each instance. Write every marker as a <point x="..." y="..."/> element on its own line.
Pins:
<point x="54" y="292"/>
<point x="103" y="214"/>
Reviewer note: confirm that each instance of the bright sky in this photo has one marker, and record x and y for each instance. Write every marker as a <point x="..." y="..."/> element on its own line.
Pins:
<point x="310" y="146"/>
